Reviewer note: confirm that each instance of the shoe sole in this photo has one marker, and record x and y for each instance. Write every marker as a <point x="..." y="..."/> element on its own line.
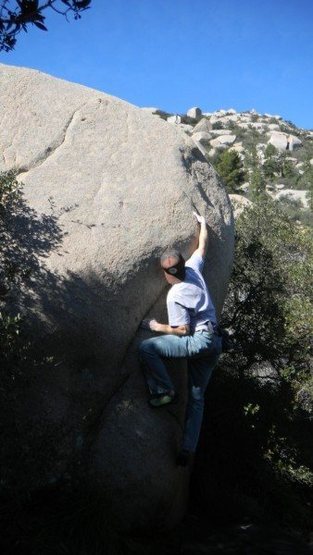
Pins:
<point x="162" y="401"/>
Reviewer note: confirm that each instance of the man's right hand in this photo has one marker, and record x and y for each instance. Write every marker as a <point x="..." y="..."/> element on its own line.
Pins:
<point x="148" y="324"/>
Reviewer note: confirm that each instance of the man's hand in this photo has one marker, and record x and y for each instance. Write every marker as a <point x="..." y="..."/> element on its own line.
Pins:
<point x="203" y="235"/>
<point x="200" y="219"/>
<point x="149" y="324"/>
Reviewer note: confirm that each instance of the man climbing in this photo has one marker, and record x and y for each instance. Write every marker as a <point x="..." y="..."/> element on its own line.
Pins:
<point x="189" y="334"/>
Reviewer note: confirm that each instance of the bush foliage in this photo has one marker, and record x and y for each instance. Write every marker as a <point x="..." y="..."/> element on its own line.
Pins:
<point x="230" y="167"/>
<point x="255" y="459"/>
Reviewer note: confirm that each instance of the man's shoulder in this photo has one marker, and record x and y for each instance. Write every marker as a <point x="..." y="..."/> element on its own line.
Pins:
<point x="179" y="291"/>
<point x="176" y="289"/>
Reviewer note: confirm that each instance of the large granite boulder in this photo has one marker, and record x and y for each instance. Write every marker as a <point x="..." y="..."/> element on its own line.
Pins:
<point x="239" y="204"/>
<point x="226" y="139"/>
<point x="201" y="137"/>
<point x="204" y="126"/>
<point x="107" y="188"/>
<point x="174" y="119"/>
<point x="194" y="113"/>
<point x="283" y="141"/>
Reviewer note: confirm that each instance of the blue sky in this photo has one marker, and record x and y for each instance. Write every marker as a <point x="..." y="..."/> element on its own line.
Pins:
<point x="175" y="54"/>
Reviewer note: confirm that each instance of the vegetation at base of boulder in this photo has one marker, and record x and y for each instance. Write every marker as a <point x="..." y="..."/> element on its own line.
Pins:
<point x="18" y="15"/>
<point x="9" y="323"/>
<point x="9" y="188"/>
<point x="255" y="459"/>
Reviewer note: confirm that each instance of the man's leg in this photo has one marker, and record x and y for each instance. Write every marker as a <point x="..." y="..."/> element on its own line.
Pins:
<point x="152" y="351"/>
<point x="199" y="374"/>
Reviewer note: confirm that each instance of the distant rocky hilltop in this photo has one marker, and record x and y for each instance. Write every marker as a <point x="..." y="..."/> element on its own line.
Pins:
<point x="281" y="153"/>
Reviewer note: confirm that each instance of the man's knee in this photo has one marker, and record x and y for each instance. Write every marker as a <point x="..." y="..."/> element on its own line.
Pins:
<point x="145" y="347"/>
<point x="196" y="395"/>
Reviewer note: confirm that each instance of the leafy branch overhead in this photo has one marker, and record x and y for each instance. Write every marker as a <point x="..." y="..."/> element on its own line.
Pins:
<point x="16" y="16"/>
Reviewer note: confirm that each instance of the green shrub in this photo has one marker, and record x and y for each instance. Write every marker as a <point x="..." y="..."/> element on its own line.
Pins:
<point x="217" y="125"/>
<point x="230" y="167"/>
<point x="273" y="262"/>
<point x="9" y="188"/>
<point x="256" y="456"/>
<point x="9" y="334"/>
<point x="295" y="212"/>
<point x="270" y="151"/>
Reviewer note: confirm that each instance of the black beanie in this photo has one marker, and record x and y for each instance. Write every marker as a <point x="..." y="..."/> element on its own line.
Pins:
<point x="178" y="269"/>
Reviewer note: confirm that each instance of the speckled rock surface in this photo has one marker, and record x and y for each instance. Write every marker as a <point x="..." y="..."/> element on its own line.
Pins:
<point x="110" y="187"/>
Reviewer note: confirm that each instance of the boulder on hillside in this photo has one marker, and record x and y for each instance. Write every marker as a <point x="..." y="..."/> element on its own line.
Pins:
<point x="257" y="125"/>
<point x="107" y="188"/>
<point x="239" y="204"/>
<point x="174" y="119"/>
<point x="194" y="113"/>
<point x="284" y="141"/>
<point x="294" y="142"/>
<point x="238" y="147"/>
<point x="201" y="137"/>
<point x="226" y="139"/>
<point x="203" y="126"/>
<point x="216" y="143"/>
<point x="229" y="118"/>
<point x="186" y="127"/>
<point x="273" y="126"/>
<point x="223" y="140"/>
<point x="217" y="132"/>
<point x="295" y="195"/>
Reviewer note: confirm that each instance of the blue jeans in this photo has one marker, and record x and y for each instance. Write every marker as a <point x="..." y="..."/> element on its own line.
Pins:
<point x="201" y="350"/>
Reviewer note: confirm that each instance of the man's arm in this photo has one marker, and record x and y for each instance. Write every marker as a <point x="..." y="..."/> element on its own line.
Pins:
<point x="153" y="325"/>
<point x="203" y="236"/>
<point x="165" y="328"/>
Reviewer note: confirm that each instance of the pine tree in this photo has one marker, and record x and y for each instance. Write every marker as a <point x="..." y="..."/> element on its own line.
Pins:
<point x="230" y="168"/>
<point x="257" y="188"/>
<point x="270" y="166"/>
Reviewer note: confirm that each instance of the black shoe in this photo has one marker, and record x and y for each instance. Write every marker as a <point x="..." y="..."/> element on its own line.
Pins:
<point x="184" y="457"/>
<point x="161" y="399"/>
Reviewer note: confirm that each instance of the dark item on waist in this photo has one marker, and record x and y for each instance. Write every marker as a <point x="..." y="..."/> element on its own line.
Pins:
<point x="227" y="339"/>
<point x="212" y="327"/>
<point x="206" y="326"/>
